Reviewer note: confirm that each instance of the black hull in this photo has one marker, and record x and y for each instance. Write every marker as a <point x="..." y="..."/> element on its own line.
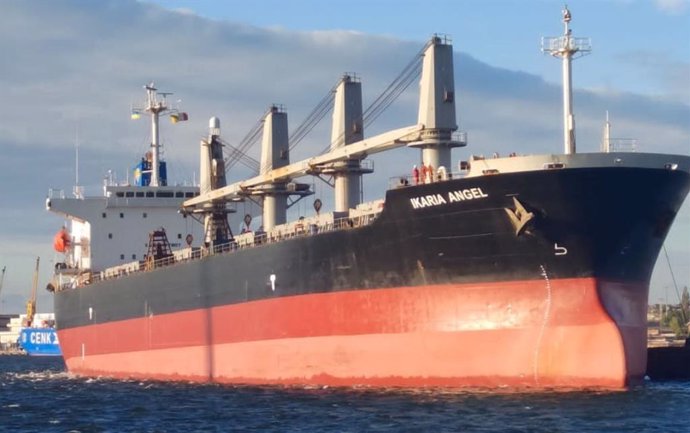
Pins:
<point x="604" y="223"/>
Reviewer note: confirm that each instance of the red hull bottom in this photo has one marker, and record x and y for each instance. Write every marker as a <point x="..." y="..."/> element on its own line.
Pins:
<point x="575" y="333"/>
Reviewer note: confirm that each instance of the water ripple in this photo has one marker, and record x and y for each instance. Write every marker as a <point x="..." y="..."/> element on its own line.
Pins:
<point x="37" y="395"/>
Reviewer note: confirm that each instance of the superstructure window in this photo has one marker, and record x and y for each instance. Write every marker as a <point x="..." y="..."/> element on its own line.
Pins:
<point x="110" y="235"/>
<point x="104" y="214"/>
<point x="134" y="256"/>
<point x="189" y="194"/>
<point x="145" y="215"/>
<point x="179" y="236"/>
<point x="140" y="194"/>
<point x="149" y="194"/>
<point x="129" y="194"/>
<point x="179" y="194"/>
<point x="122" y="215"/>
<point x="120" y="194"/>
<point x="164" y="194"/>
<point x="122" y="256"/>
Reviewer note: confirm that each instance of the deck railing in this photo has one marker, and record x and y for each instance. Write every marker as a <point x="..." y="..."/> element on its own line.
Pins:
<point x="240" y="242"/>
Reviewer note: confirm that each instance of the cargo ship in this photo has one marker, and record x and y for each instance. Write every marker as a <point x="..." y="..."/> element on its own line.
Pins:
<point x="525" y="271"/>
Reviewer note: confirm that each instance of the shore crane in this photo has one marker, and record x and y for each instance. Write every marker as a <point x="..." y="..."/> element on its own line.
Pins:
<point x="2" y="278"/>
<point x="31" y="303"/>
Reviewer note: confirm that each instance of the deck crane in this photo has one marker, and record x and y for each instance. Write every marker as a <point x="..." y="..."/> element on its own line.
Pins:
<point x="31" y="303"/>
<point x="433" y="132"/>
<point x="379" y="143"/>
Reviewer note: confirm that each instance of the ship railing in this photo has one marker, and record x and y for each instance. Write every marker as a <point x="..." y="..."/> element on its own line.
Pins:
<point x="412" y="180"/>
<point x="78" y="191"/>
<point x="56" y="193"/>
<point x="622" y="145"/>
<point x="367" y="164"/>
<point x="289" y="231"/>
<point x="307" y="228"/>
<point x="300" y="228"/>
<point x="121" y="270"/>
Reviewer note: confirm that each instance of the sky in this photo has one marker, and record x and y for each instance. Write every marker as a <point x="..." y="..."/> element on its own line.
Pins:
<point x="71" y="69"/>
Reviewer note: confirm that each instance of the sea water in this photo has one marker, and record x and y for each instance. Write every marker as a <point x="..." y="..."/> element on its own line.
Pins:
<point x="38" y="395"/>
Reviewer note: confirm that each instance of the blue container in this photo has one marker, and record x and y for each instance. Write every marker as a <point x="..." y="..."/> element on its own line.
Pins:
<point x="40" y="342"/>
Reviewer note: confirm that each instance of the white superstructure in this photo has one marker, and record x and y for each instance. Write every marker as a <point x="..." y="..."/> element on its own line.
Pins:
<point x="113" y="229"/>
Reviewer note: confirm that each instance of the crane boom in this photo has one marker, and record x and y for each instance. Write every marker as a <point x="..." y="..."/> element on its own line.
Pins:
<point x="379" y="143"/>
<point x="2" y="278"/>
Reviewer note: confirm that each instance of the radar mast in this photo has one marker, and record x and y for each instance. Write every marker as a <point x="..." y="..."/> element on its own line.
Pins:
<point x="567" y="48"/>
<point x="157" y="104"/>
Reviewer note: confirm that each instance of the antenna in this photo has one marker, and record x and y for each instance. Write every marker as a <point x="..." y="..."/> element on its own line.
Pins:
<point x="77" y="190"/>
<point x="606" y="142"/>
<point x="567" y="48"/>
<point x="76" y="151"/>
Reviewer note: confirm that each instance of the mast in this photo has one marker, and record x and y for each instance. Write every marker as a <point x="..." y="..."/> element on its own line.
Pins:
<point x="156" y="107"/>
<point x="77" y="190"/>
<point x="567" y="48"/>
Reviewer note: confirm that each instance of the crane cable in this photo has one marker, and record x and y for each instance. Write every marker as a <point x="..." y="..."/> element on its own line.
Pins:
<point x="241" y="157"/>
<point x="250" y="139"/>
<point x="407" y="76"/>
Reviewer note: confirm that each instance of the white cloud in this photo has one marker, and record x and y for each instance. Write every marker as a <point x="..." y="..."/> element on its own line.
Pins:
<point x="672" y="6"/>
<point x="670" y="75"/>
<point x="184" y="11"/>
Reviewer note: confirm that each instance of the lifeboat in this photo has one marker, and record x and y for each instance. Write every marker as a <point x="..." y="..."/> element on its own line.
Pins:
<point x="61" y="241"/>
